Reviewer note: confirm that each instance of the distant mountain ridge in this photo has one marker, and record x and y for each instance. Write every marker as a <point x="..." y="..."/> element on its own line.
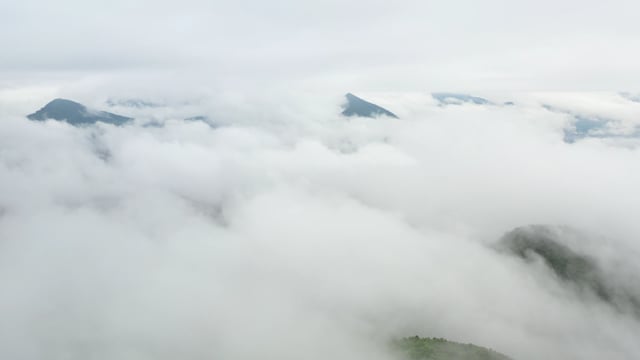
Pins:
<point x="579" y="270"/>
<point x="417" y="348"/>
<point x="133" y="103"/>
<point x="76" y="114"/>
<point x="356" y="106"/>
<point x="584" y="126"/>
<point x="459" y="99"/>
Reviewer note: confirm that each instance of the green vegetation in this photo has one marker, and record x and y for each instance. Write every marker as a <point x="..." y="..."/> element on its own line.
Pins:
<point x="416" y="348"/>
<point x="573" y="268"/>
<point x="567" y="264"/>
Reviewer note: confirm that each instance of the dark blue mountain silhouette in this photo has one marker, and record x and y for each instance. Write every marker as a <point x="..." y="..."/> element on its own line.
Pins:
<point x="75" y="114"/>
<point x="356" y="106"/>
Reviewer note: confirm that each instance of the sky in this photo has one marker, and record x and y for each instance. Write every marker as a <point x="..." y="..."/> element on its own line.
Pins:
<point x="280" y="229"/>
<point x="329" y="45"/>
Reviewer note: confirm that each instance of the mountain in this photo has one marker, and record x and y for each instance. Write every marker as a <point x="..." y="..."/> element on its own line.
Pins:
<point x="133" y="103"/>
<point x="577" y="270"/>
<point x="356" y="106"/>
<point x="542" y="241"/>
<point x="584" y="126"/>
<point x="459" y="99"/>
<point x="631" y="97"/>
<point x="416" y="348"/>
<point x="75" y="114"/>
<point x="205" y="119"/>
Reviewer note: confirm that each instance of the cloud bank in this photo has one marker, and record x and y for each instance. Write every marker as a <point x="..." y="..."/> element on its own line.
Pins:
<point x="288" y="234"/>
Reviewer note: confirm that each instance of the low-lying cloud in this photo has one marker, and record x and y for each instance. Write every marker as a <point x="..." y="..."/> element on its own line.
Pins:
<point x="291" y="232"/>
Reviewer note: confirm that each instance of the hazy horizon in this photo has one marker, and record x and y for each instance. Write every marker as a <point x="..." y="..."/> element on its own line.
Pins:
<point x="239" y="214"/>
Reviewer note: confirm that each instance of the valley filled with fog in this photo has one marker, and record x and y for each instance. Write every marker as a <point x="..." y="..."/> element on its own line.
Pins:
<point x="275" y="227"/>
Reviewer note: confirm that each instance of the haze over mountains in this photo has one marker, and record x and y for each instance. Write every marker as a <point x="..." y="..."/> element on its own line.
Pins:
<point x="577" y="270"/>
<point x="188" y="180"/>
<point x="581" y="125"/>
<point x="384" y="228"/>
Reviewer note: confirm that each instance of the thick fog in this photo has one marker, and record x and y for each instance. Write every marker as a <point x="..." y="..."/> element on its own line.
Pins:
<point x="283" y="230"/>
<point x="268" y="226"/>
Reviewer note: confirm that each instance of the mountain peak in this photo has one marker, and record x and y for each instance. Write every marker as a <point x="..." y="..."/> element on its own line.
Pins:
<point x="356" y="106"/>
<point x="75" y="114"/>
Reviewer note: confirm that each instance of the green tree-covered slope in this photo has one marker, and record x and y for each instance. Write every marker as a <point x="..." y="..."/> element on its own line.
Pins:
<point x="416" y="348"/>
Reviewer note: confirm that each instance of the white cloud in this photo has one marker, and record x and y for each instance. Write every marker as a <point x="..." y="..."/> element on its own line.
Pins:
<point x="293" y="232"/>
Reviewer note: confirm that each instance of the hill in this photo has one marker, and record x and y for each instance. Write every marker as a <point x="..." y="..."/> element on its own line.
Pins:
<point x="75" y="114"/>
<point x="417" y="348"/>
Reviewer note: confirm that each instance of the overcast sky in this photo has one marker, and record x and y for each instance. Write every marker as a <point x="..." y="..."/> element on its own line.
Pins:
<point x="371" y="45"/>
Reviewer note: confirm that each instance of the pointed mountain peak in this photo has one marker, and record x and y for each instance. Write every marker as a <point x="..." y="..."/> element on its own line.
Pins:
<point x="356" y="106"/>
